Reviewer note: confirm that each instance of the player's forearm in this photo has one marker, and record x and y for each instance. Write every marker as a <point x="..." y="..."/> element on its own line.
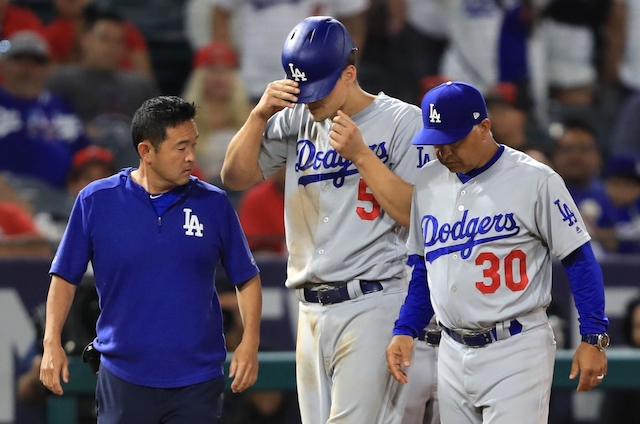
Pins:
<point x="59" y="299"/>
<point x="240" y="169"/>
<point x="392" y="192"/>
<point x="250" y="305"/>
<point x="587" y="287"/>
<point x="416" y="312"/>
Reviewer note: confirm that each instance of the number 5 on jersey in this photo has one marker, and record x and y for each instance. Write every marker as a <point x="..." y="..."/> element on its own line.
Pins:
<point x="365" y="195"/>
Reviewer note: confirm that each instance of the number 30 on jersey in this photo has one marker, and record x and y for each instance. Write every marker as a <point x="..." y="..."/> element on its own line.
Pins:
<point x="512" y="269"/>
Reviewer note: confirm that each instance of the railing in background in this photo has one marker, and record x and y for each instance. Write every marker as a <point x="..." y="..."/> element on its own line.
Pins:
<point x="277" y="372"/>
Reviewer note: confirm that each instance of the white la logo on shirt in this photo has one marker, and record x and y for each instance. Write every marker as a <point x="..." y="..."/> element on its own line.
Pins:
<point x="192" y="223"/>
<point x="434" y="116"/>
<point x="9" y="121"/>
<point x="296" y="74"/>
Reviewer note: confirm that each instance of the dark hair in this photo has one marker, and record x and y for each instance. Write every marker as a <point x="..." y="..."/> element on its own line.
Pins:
<point x="156" y="115"/>
<point x="92" y="14"/>
<point x="574" y="123"/>
<point x="351" y="59"/>
<point x="627" y="323"/>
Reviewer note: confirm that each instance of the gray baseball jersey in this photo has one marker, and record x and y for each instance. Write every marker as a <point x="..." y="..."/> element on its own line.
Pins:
<point x="336" y="230"/>
<point x="488" y="242"/>
<point x="487" y="248"/>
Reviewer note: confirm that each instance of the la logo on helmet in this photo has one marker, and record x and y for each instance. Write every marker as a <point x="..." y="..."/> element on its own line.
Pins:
<point x="296" y="74"/>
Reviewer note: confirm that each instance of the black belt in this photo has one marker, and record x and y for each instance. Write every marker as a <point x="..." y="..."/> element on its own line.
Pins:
<point x="432" y="337"/>
<point x="327" y="295"/>
<point x="484" y="338"/>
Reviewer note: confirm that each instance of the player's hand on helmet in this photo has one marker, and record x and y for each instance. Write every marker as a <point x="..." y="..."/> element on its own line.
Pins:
<point x="54" y="365"/>
<point x="590" y="363"/>
<point x="278" y="95"/>
<point x="346" y="138"/>
<point x="399" y="357"/>
<point x="244" y="366"/>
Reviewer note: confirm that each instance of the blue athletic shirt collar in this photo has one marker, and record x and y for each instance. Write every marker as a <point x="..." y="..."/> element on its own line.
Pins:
<point x="475" y="172"/>
<point x="174" y="194"/>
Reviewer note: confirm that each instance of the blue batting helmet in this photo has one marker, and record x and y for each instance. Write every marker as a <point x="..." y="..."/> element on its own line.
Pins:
<point x="314" y="55"/>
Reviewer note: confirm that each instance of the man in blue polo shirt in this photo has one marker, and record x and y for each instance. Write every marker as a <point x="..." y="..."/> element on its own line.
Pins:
<point x="154" y="236"/>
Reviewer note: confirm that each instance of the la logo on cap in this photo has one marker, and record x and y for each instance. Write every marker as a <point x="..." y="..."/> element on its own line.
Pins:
<point x="434" y="116"/>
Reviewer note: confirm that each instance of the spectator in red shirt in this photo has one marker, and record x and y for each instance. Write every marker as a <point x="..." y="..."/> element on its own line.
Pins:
<point x="64" y="39"/>
<point x="15" y="221"/>
<point x="18" y="232"/>
<point x="15" y="18"/>
<point x="261" y="214"/>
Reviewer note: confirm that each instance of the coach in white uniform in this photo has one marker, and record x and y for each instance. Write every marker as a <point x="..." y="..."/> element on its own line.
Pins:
<point x="350" y="168"/>
<point x="487" y="244"/>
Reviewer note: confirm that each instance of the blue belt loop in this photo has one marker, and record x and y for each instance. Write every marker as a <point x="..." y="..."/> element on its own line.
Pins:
<point x="516" y="327"/>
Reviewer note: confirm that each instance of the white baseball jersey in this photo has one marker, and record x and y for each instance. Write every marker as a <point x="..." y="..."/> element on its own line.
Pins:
<point x="488" y="242"/>
<point x="336" y="230"/>
<point x="474" y="32"/>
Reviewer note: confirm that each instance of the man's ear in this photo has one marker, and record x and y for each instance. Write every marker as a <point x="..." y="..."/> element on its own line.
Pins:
<point x="485" y="125"/>
<point x="144" y="150"/>
<point x="350" y="73"/>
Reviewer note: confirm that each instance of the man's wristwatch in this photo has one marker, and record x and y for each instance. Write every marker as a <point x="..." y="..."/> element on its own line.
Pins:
<point x="601" y="341"/>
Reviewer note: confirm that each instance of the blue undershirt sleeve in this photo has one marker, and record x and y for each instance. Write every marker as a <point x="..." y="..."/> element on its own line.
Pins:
<point x="587" y="286"/>
<point x="417" y="311"/>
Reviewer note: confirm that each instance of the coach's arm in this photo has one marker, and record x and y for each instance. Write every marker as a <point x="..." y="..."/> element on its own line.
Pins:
<point x="244" y="363"/>
<point x="390" y="191"/>
<point x="54" y="359"/>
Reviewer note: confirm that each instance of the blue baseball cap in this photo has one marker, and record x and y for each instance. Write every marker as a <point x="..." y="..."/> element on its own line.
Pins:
<point x="622" y="165"/>
<point x="449" y="112"/>
<point x="314" y="54"/>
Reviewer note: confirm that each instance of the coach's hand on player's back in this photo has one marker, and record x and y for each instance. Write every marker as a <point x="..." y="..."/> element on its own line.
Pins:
<point x="278" y="95"/>
<point x="399" y="357"/>
<point x="244" y="366"/>
<point x="54" y="363"/>
<point x="590" y="363"/>
<point x="346" y="138"/>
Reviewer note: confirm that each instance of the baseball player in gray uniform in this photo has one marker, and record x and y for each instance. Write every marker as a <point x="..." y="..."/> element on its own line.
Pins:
<point x="350" y="169"/>
<point x="487" y="247"/>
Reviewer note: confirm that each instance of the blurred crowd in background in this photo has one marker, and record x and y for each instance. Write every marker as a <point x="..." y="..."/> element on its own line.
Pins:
<point x="561" y="79"/>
